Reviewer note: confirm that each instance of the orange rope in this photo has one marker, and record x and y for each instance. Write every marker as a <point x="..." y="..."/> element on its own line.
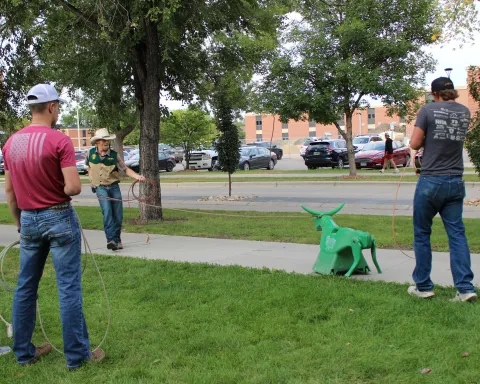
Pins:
<point x="395" y="207"/>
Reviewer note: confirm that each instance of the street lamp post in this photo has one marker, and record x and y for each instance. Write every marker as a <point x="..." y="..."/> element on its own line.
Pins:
<point x="360" y="121"/>
<point x="78" y="126"/>
<point x="448" y="71"/>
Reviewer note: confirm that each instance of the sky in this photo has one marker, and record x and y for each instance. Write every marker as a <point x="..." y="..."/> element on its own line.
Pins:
<point x="447" y="56"/>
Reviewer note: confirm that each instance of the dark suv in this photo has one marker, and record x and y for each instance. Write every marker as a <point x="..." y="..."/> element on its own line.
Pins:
<point x="265" y="144"/>
<point x="326" y="153"/>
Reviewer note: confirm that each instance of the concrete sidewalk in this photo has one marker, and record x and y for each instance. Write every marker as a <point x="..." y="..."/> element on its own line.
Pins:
<point x="297" y="258"/>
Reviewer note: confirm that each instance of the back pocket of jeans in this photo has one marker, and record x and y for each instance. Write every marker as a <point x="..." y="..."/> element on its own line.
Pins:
<point x="60" y="232"/>
<point x="461" y="189"/>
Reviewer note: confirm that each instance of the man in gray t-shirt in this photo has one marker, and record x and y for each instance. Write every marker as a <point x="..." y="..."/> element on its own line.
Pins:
<point x="444" y="125"/>
<point x="440" y="129"/>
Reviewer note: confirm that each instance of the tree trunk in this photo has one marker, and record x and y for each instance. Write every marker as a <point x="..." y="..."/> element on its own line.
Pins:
<point x="229" y="184"/>
<point x="147" y="93"/>
<point x="350" y="149"/>
<point x="120" y="137"/>
<point x="187" y="159"/>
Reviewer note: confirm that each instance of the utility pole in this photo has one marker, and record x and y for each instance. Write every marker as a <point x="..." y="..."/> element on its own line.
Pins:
<point x="78" y="126"/>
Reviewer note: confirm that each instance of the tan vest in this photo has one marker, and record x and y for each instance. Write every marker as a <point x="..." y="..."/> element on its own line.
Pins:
<point x="103" y="171"/>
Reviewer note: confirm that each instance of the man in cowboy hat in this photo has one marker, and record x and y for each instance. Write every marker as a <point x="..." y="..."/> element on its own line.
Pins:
<point x="104" y="165"/>
<point x="40" y="177"/>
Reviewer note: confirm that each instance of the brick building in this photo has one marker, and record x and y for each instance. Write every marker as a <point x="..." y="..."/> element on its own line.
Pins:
<point x="85" y="135"/>
<point x="260" y="127"/>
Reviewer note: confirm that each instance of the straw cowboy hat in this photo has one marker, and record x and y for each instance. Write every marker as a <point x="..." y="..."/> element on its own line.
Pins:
<point x="102" y="134"/>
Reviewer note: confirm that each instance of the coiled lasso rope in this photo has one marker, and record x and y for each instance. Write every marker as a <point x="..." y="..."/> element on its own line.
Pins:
<point x="88" y="251"/>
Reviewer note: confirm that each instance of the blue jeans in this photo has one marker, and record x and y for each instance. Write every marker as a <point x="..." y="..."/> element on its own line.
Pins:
<point x="444" y="195"/>
<point x="112" y="211"/>
<point x="58" y="231"/>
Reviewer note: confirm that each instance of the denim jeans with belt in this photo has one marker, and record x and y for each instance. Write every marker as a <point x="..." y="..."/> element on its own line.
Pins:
<point x="56" y="230"/>
<point x="443" y="195"/>
<point x="112" y="211"/>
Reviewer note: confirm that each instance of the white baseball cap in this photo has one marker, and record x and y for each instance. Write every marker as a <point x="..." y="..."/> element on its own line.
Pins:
<point x="43" y="93"/>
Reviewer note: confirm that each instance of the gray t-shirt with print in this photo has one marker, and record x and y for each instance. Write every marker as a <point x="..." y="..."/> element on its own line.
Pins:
<point x="445" y="125"/>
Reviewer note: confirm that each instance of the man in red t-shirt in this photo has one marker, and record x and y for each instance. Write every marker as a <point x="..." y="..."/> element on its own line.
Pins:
<point x="40" y="177"/>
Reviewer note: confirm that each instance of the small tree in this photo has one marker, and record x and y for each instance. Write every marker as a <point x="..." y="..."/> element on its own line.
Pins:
<point x="228" y="143"/>
<point x="472" y="142"/>
<point x="190" y="128"/>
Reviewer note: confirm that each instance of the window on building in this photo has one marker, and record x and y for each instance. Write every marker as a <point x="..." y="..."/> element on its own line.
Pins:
<point x="312" y="134"/>
<point x="259" y="137"/>
<point x="312" y="124"/>
<point x="341" y="122"/>
<point x="84" y="142"/>
<point x="284" y="135"/>
<point x="258" y="121"/>
<point x="402" y="119"/>
<point x="371" y="115"/>
<point x="284" y="125"/>
<point x="84" y="133"/>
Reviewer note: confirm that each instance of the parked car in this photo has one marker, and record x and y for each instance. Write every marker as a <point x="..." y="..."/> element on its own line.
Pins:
<point x="305" y="144"/>
<point x="166" y="162"/>
<point x="202" y="159"/>
<point x="179" y="154"/>
<point x="372" y="155"/>
<point x="81" y="165"/>
<point x="256" y="157"/>
<point x="326" y="153"/>
<point x="273" y="148"/>
<point x="362" y="140"/>
<point x="166" y="148"/>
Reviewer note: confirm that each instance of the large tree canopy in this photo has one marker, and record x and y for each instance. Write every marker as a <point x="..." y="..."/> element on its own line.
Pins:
<point x="345" y="50"/>
<point x="121" y="49"/>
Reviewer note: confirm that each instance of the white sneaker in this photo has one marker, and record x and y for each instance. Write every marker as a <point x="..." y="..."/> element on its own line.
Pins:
<point x="396" y="170"/>
<point x="382" y="170"/>
<point x="467" y="297"/>
<point x="421" y="294"/>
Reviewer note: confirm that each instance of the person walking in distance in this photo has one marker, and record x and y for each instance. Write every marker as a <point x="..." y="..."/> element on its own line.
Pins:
<point x="388" y="154"/>
<point x="441" y="128"/>
<point x="104" y="165"/>
<point x="44" y="158"/>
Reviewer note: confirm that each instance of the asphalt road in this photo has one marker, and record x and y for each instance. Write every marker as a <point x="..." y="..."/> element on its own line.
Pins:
<point x="375" y="198"/>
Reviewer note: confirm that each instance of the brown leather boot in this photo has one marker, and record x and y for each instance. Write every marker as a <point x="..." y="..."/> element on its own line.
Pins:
<point x="41" y="351"/>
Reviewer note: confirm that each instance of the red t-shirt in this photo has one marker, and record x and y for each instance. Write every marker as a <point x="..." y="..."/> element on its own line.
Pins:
<point x="35" y="156"/>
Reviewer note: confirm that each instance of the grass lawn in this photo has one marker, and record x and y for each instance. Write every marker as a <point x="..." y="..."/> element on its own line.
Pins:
<point x="191" y="323"/>
<point x="270" y="226"/>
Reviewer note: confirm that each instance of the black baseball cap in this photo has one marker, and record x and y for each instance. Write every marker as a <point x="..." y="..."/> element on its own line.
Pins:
<point x="442" y="84"/>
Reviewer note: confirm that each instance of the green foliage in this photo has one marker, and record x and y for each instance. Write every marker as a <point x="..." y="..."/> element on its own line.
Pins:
<point x="456" y="20"/>
<point x="241" y="129"/>
<point x="472" y="142"/>
<point x="343" y="51"/>
<point x="133" y="138"/>
<point x="190" y="128"/>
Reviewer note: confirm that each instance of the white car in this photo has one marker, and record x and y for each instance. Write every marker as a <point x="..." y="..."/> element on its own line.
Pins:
<point x="362" y="140"/>
<point x="305" y="144"/>
<point x="205" y="159"/>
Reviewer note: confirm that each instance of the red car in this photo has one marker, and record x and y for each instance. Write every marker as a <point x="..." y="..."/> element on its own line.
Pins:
<point x="372" y="155"/>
